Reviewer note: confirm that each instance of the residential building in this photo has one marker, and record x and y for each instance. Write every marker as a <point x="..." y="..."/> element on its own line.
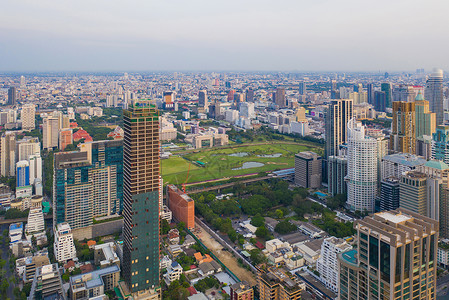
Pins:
<point x="63" y="246"/>
<point x="181" y="205"/>
<point x="425" y="120"/>
<point x="15" y="232"/>
<point x="242" y="291"/>
<point x="202" y="99"/>
<point x="389" y="193"/>
<point x="105" y="255"/>
<point x="35" y="163"/>
<point x="362" y="168"/>
<point x="327" y="264"/>
<point x="94" y="284"/>
<point x="337" y="171"/>
<point x="50" y="132"/>
<point x="434" y="94"/>
<point x="26" y="266"/>
<point x="440" y="143"/>
<point x="47" y="284"/>
<point x="26" y="147"/>
<point x="308" y="169"/>
<point x="395" y="258"/>
<point x="12" y="95"/>
<point x="247" y="110"/>
<point x="413" y="192"/>
<point x="279" y="98"/>
<point x="35" y="225"/>
<point x="28" y="116"/>
<point x="174" y="272"/>
<point x="8" y="154"/>
<point x="274" y="284"/>
<point x="65" y="138"/>
<point x="397" y="164"/>
<point x="23" y="173"/>
<point x="403" y="135"/>
<point x="443" y="253"/>
<point x="141" y="200"/>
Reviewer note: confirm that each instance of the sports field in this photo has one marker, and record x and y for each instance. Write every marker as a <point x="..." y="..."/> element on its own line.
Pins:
<point x="219" y="163"/>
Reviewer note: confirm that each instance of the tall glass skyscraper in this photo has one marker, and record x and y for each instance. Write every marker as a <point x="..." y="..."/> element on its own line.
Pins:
<point x="434" y="94"/>
<point x="141" y="200"/>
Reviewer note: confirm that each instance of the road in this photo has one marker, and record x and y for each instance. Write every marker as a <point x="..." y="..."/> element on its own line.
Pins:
<point x="443" y="288"/>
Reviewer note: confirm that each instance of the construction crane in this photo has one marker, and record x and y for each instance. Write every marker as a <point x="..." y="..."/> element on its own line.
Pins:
<point x="187" y="178"/>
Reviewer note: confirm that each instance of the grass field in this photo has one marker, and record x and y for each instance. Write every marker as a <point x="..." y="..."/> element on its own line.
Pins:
<point x="218" y="163"/>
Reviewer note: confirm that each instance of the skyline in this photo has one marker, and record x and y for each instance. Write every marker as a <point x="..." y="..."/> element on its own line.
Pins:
<point x="229" y="36"/>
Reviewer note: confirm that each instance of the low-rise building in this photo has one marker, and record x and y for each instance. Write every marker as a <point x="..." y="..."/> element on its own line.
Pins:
<point x="276" y="285"/>
<point x="174" y="272"/>
<point x="242" y="291"/>
<point x="15" y="233"/>
<point x="105" y="255"/>
<point x="47" y="284"/>
<point x="26" y="266"/>
<point x="443" y="253"/>
<point x="94" y="284"/>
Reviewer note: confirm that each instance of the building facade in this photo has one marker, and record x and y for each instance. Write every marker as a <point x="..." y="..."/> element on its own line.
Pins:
<point x="403" y="135"/>
<point x="308" y="169"/>
<point x="64" y="247"/>
<point x="181" y="205"/>
<point x="28" y="116"/>
<point x="434" y="94"/>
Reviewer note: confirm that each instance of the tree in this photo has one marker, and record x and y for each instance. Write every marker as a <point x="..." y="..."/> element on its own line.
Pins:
<point x="233" y="235"/>
<point x="257" y="220"/>
<point x="181" y="226"/>
<point x="285" y="227"/>
<point x="279" y="214"/>
<point x="70" y="147"/>
<point x="262" y="232"/>
<point x="165" y="226"/>
<point x="257" y="256"/>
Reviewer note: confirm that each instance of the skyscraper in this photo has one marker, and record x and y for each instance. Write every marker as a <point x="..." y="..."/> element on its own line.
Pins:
<point x="395" y="258"/>
<point x="50" y="132"/>
<point x="338" y="114"/>
<point x="202" y="99"/>
<point x="413" y="192"/>
<point x="337" y="169"/>
<point x="141" y="199"/>
<point x="8" y="154"/>
<point x="380" y="101"/>
<point x="386" y="88"/>
<point x="362" y="168"/>
<point x="308" y="169"/>
<point x="302" y="88"/>
<point x="28" y="116"/>
<point x="23" y="173"/>
<point x="403" y="136"/>
<point x="370" y="93"/>
<point x="280" y="99"/>
<point x="12" y="96"/>
<point x="389" y="194"/>
<point x="440" y="143"/>
<point x="434" y="94"/>
<point x="425" y="120"/>
<point x="250" y="95"/>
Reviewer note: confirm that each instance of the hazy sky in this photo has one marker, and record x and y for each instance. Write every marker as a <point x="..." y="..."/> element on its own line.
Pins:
<point x="312" y="35"/>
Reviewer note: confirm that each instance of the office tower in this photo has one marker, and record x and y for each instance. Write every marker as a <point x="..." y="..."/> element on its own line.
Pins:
<point x="397" y="164"/>
<point x="47" y="284"/>
<point x="274" y="284"/>
<point x="425" y="120"/>
<point x="386" y="88"/>
<point x="308" y="169"/>
<point x="23" y="173"/>
<point x="337" y="171"/>
<point x="12" y="96"/>
<point x="440" y="143"/>
<point x="395" y="258"/>
<point x="338" y="114"/>
<point x="247" y="110"/>
<point x="65" y="138"/>
<point x="413" y="192"/>
<point x="28" y="116"/>
<point x="88" y="183"/>
<point x="63" y="246"/>
<point x="380" y="101"/>
<point x="35" y="162"/>
<point x="141" y="199"/>
<point x="403" y="135"/>
<point x="22" y="81"/>
<point x="327" y="263"/>
<point x="8" y="154"/>
<point x="434" y="94"/>
<point x="437" y="182"/>
<point x="370" y="93"/>
<point x="302" y="88"/>
<point x="202" y="99"/>
<point x="242" y="291"/>
<point x="279" y="98"/>
<point x="50" y="132"/>
<point x="362" y="168"/>
<point x="26" y="147"/>
<point x="389" y="193"/>
<point x="182" y="206"/>
<point x="250" y="95"/>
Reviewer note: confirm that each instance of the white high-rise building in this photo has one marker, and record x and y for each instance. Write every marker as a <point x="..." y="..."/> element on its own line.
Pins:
<point x="28" y="116"/>
<point x="50" y="132"/>
<point x="362" y="168"/>
<point x="35" y="162"/>
<point x="247" y="110"/>
<point x="327" y="264"/>
<point x="22" y="81"/>
<point x="64" y="247"/>
<point x="231" y="115"/>
<point x="36" y="222"/>
<point x="26" y="147"/>
<point x="112" y="101"/>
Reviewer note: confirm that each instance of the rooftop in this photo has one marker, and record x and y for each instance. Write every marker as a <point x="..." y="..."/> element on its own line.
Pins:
<point x="436" y="164"/>
<point x="93" y="279"/>
<point x="393" y="217"/>
<point x="350" y="256"/>
<point x="405" y="159"/>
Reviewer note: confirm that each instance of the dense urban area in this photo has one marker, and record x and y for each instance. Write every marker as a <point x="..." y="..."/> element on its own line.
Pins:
<point x="224" y="185"/>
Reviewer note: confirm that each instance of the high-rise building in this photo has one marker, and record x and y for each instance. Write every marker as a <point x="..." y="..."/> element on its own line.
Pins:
<point x="389" y="193"/>
<point x="274" y="284"/>
<point x="386" y="88"/>
<point x="26" y="147"/>
<point x="88" y="183"/>
<point x="12" y="96"/>
<point x="362" y="168"/>
<point x="308" y="169"/>
<point x="302" y="88"/>
<point x="337" y="171"/>
<point x="64" y="247"/>
<point x="425" y="120"/>
<point x="202" y="99"/>
<point x="23" y="173"/>
<point x="182" y="206"/>
<point x="22" y="82"/>
<point x="440" y="143"/>
<point x="50" y="132"/>
<point x="397" y="164"/>
<point x="338" y="114"/>
<point x="327" y="263"/>
<point x="242" y="291"/>
<point x="8" y="154"/>
<point x="380" y="101"/>
<point x="280" y="99"/>
<point x="370" y="93"/>
<point x="413" y="192"/>
<point x="35" y="162"/>
<point x="434" y="94"/>
<point x="247" y="110"/>
<point x="47" y="284"/>
<point x="65" y="138"/>
<point x="141" y="199"/>
<point x="28" y="116"/>
<point x="395" y="258"/>
<point x="250" y="95"/>
<point x="403" y="135"/>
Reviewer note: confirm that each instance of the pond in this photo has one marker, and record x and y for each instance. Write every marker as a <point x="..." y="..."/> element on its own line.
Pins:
<point x="249" y="165"/>
<point x="239" y="154"/>
<point x="270" y="155"/>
